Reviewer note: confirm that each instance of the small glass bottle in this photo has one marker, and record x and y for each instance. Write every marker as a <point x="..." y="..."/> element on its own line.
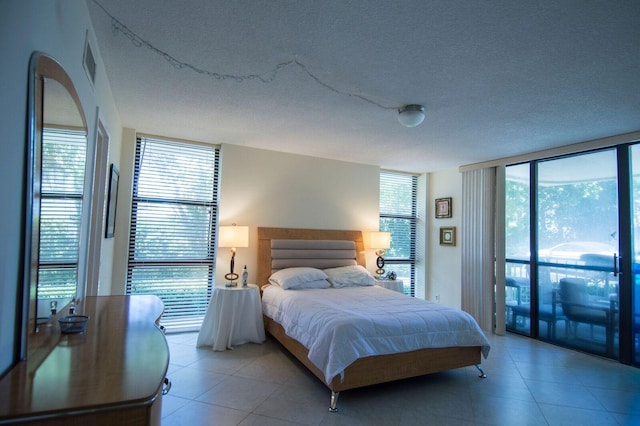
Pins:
<point x="245" y="276"/>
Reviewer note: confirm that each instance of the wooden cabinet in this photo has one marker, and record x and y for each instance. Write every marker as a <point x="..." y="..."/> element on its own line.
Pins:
<point x="112" y="373"/>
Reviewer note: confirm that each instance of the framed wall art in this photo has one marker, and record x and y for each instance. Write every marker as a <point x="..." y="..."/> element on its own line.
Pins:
<point x="443" y="208"/>
<point x="114" y="177"/>
<point x="448" y="236"/>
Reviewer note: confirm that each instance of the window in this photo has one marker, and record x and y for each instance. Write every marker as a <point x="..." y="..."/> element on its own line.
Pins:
<point x="398" y="215"/>
<point x="60" y="211"/>
<point x="173" y="220"/>
<point x="518" y="247"/>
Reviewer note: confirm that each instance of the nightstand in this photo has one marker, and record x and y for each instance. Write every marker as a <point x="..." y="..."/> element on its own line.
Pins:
<point x="234" y="317"/>
<point x="395" y="285"/>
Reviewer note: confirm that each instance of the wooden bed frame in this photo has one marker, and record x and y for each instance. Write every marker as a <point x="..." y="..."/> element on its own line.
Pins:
<point x="364" y="371"/>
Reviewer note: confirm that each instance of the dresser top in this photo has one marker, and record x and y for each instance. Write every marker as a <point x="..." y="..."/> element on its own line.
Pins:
<point x="120" y="359"/>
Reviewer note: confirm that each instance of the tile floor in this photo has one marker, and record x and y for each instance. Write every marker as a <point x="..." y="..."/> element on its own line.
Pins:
<point x="528" y="383"/>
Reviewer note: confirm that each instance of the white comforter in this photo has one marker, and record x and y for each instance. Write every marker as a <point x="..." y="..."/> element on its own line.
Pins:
<point x="340" y="325"/>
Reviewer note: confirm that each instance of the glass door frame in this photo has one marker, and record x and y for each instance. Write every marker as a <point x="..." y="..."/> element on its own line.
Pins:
<point x="625" y="271"/>
<point x="626" y="254"/>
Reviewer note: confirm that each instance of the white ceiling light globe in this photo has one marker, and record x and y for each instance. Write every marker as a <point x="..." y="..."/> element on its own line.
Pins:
<point x="411" y="115"/>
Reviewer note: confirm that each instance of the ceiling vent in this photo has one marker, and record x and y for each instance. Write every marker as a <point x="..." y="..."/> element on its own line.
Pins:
<point x="89" y="61"/>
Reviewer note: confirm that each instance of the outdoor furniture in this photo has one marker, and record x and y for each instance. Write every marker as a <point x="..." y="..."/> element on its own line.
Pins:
<point x="578" y="307"/>
<point x="603" y="265"/>
<point x="548" y="309"/>
<point x="515" y="305"/>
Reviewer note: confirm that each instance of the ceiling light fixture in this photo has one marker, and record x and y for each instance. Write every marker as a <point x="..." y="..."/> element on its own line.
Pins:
<point x="411" y="115"/>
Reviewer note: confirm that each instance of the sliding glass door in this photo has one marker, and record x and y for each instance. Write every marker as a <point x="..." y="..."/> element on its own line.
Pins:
<point x="518" y="248"/>
<point x="577" y="249"/>
<point x="572" y="267"/>
<point x="635" y="242"/>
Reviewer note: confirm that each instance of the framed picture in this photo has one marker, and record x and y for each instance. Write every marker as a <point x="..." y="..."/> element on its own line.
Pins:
<point x="443" y="207"/>
<point x="448" y="236"/>
<point x="112" y="202"/>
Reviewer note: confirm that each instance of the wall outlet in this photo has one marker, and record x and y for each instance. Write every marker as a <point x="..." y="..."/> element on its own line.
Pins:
<point x="438" y="298"/>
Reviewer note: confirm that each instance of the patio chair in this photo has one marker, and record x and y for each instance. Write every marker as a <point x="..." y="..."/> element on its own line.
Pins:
<point x="604" y="264"/>
<point x="549" y="311"/>
<point x="578" y="307"/>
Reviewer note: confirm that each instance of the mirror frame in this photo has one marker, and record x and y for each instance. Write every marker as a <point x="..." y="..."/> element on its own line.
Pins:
<point x="41" y="67"/>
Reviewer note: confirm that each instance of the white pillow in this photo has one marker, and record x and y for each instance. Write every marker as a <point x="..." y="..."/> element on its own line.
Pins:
<point x="345" y="276"/>
<point x="312" y="284"/>
<point x="296" y="277"/>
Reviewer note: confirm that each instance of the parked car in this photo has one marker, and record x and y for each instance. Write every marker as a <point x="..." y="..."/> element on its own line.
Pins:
<point x="566" y="252"/>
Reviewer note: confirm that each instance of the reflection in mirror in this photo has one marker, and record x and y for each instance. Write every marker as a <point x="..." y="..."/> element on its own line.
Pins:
<point x="57" y="157"/>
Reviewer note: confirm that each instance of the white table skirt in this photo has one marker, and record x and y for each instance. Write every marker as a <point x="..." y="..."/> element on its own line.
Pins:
<point x="395" y="285"/>
<point x="234" y="317"/>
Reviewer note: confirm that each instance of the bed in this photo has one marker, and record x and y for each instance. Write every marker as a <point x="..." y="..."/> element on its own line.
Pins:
<point x="281" y="249"/>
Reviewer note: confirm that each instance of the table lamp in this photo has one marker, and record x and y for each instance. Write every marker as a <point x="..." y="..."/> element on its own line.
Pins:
<point x="380" y="241"/>
<point x="233" y="237"/>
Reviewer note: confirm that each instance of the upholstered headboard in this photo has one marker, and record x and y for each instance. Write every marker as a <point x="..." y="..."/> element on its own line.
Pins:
<point x="280" y="248"/>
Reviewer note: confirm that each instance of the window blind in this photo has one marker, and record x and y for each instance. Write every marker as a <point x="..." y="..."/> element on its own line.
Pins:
<point x="62" y="186"/>
<point x="172" y="236"/>
<point x="398" y="215"/>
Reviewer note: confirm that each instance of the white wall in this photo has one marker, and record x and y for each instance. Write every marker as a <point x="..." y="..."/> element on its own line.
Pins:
<point x="422" y="237"/>
<point x="57" y="28"/>
<point x="268" y="188"/>
<point x="444" y="261"/>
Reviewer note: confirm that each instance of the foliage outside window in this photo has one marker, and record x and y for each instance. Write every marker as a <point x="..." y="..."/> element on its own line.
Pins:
<point x="173" y="221"/>
<point x="398" y="215"/>
<point x="517" y="212"/>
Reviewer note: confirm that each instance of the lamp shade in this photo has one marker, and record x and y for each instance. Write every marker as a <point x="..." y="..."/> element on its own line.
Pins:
<point x="233" y="236"/>
<point x="411" y="115"/>
<point x="379" y="240"/>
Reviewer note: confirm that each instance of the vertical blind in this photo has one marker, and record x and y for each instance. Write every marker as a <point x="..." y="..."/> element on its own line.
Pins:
<point x="62" y="186"/>
<point x="173" y="220"/>
<point x="398" y="215"/>
<point x="477" y="244"/>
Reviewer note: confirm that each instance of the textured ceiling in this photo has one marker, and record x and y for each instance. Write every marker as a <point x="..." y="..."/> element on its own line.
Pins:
<point x="325" y="78"/>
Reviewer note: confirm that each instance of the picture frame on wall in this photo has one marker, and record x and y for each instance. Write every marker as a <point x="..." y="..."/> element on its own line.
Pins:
<point x="448" y="236"/>
<point x="112" y="202"/>
<point x="443" y="208"/>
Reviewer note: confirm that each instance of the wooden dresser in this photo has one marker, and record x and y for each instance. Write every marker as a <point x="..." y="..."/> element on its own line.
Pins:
<point x="112" y="374"/>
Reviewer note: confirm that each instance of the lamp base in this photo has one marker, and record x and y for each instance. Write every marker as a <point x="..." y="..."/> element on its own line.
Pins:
<point x="380" y="263"/>
<point x="231" y="277"/>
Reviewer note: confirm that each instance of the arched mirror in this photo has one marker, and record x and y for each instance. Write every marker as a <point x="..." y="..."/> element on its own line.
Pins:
<point x="56" y="163"/>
